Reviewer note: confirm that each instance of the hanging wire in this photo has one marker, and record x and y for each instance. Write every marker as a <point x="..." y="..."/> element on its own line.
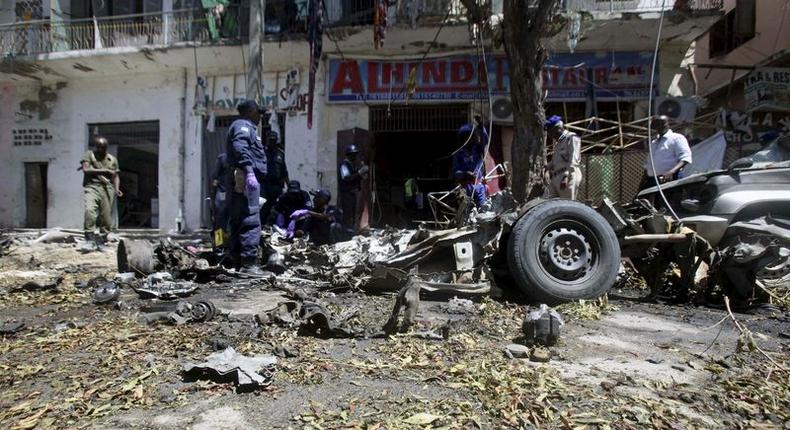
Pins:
<point x="650" y="114"/>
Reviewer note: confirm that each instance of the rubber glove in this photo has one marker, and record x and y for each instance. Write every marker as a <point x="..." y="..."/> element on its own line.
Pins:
<point x="300" y="213"/>
<point x="252" y="181"/>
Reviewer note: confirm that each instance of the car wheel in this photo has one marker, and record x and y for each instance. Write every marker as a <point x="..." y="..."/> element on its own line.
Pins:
<point x="563" y="250"/>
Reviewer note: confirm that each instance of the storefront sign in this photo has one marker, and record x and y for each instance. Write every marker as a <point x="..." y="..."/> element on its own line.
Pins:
<point x="744" y="128"/>
<point x="768" y="88"/>
<point x="567" y="77"/>
<point x="224" y="93"/>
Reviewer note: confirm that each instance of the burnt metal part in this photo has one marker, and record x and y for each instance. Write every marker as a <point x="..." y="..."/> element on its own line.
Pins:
<point x="106" y="293"/>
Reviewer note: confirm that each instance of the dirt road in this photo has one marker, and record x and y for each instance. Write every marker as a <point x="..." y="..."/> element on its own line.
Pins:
<point x="621" y="364"/>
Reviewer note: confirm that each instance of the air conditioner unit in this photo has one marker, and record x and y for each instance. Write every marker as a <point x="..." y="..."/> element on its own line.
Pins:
<point x="677" y="108"/>
<point x="502" y="110"/>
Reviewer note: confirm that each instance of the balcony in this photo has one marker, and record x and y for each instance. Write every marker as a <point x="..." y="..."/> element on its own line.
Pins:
<point x="151" y="29"/>
<point x="283" y="18"/>
<point x="643" y="6"/>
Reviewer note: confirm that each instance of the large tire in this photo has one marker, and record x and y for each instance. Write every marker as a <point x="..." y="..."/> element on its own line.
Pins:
<point x="561" y="251"/>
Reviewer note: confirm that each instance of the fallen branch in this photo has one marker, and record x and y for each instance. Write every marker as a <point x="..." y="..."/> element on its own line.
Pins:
<point x="746" y="332"/>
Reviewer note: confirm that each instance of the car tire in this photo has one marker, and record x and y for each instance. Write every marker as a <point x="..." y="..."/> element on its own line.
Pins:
<point x="562" y="250"/>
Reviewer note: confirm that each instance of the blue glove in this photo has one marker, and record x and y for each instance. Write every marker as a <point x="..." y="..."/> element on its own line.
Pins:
<point x="300" y="213"/>
<point x="252" y="181"/>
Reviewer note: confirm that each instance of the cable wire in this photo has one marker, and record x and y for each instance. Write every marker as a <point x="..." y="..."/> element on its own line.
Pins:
<point x="650" y="114"/>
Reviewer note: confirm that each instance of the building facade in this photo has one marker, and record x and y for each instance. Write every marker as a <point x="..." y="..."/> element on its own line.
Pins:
<point x="161" y="80"/>
<point x="742" y="69"/>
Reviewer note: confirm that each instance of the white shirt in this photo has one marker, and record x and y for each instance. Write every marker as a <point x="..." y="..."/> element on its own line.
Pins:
<point x="668" y="150"/>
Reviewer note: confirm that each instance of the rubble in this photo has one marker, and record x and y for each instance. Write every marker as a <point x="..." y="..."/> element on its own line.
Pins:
<point x="246" y="373"/>
<point x="542" y="326"/>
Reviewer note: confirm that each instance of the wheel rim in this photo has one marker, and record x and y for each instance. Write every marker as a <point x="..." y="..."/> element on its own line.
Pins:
<point x="568" y="251"/>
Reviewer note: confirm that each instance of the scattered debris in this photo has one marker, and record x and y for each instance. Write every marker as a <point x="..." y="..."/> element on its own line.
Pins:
<point x="515" y="350"/>
<point x="11" y="327"/>
<point x="32" y="280"/>
<point x="163" y="289"/>
<point x="246" y="373"/>
<point x="542" y="326"/>
<point x="409" y="300"/>
<point x="107" y="292"/>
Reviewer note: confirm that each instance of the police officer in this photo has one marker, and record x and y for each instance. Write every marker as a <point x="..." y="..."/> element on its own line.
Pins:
<point x="220" y="182"/>
<point x="276" y="175"/>
<point x="351" y="176"/>
<point x="323" y="223"/>
<point x="563" y="174"/>
<point x="293" y="200"/>
<point x="247" y="158"/>
<point x="469" y="158"/>
<point x="100" y="184"/>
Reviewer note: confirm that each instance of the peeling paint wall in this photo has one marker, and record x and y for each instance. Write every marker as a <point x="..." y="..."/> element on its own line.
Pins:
<point x="77" y="104"/>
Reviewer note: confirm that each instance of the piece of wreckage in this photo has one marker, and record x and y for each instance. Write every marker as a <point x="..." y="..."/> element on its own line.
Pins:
<point x="554" y="250"/>
<point x="744" y="214"/>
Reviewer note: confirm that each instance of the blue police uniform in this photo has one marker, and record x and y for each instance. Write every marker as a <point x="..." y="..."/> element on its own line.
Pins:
<point x="222" y="176"/>
<point x="470" y="157"/>
<point x="246" y="153"/>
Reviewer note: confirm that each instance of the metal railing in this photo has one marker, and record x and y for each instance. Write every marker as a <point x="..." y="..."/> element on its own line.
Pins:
<point x="621" y="6"/>
<point x="360" y="12"/>
<point x="149" y="29"/>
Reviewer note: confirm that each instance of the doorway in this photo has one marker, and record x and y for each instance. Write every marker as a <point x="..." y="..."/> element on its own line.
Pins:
<point x="36" y="195"/>
<point x="412" y="142"/>
<point x="136" y="145"/>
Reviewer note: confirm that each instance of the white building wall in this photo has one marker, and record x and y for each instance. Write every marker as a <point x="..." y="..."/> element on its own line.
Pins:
<point x="76" y="104"/>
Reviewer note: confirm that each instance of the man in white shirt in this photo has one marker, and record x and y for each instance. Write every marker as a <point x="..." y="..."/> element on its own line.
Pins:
<point x="563" y="176"/>
<point x="671" y="152"/>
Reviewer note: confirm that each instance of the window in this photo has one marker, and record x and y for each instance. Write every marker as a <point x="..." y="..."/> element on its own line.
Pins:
<point x="733" y="29"/>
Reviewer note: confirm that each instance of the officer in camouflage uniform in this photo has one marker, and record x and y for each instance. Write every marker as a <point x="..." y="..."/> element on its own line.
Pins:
<point x="101" y="185"/>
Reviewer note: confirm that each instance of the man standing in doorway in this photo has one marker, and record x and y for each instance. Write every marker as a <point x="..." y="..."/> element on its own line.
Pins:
<point x="276" y="175"/>
<point x="563" y="174"/>
<point x="671" y="152"/>
<point x="351" y="176"/>
<point x="101" y="184"/>
<point x="247" y="158"/>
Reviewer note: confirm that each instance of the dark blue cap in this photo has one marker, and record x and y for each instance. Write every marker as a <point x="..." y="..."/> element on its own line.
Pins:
<point x="294" y="186"/>
<point x="322" y="193"/>
<point x="248" y="106"/>
<point x="551" y="122"/>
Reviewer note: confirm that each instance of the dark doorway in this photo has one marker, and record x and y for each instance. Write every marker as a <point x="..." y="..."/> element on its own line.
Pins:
<point x="412" y="142"/>
<point x="136" y="145"/>
<point x="36" y="195"/>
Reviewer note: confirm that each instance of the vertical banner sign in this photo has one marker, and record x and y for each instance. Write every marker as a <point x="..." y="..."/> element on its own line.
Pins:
<point x="255" y="60"/>
<point x="567" y="77"/>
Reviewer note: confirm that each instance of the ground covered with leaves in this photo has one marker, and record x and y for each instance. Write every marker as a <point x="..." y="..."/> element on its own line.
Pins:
<point x="621" y="363"/>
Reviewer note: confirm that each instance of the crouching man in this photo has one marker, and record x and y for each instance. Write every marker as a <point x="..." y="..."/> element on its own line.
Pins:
<point x="322" y="223"/>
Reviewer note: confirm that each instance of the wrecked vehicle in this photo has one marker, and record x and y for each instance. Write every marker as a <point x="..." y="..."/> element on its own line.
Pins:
<point x="744" y="213"/>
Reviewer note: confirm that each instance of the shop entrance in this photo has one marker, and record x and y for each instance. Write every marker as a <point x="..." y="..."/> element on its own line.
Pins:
<point x="136" y="145"/>
<point x="411" y="142"/>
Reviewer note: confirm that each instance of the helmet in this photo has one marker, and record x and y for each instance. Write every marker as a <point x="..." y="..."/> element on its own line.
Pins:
<point x="322" y="193"/>
<point x="352" y="149"/>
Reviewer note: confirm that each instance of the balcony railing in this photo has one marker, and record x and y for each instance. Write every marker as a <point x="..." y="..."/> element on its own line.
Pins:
<point x="360" y="12"/>
<point x="282" y="17"/>
<point x="151" y="29"/>
<point x="637" y="6"/>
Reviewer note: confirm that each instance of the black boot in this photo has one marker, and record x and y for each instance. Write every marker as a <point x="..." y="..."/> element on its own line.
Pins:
<point x="249" y="266"/>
